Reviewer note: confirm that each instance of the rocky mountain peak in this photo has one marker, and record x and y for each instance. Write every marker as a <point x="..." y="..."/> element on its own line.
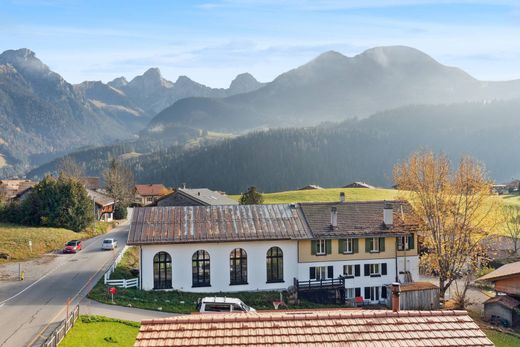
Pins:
<point x="243" y="83"/>
<point x="23" y="59"/>
<point x="118" y="82"/>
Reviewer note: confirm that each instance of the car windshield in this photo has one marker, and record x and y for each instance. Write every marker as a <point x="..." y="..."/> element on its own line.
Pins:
<point x="72" y="243"/>
<point x="107" y="241"/>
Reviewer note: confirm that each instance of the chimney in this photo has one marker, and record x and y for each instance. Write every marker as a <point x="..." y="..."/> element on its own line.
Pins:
<point x="342" y="198"/>
<point x="333" y="217"/>
<point x="388" y="215"/>
<point x="396" y="293"/>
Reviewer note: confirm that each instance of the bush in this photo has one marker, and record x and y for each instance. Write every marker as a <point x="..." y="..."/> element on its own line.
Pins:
<point x="120" y="212"/>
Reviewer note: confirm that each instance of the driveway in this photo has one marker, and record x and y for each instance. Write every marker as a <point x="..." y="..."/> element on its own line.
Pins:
<point x="29" y="309"/>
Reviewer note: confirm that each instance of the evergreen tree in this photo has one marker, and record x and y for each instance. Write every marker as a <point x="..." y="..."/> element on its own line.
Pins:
<point x="251" y="197"/>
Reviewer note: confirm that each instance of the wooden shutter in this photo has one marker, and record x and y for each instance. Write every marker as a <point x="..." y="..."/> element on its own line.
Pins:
<point x="367" y="270"/>
<point x="368" y="245"/>
<point x="355" y="245"/>
<point x="328" y="246"/>
<point x="383" y="292"/>
<point x="314" y="245"/>
<point x="330" y="271"/>
<point x="381" y="244"/>
<point x="383" y="269"/>
<point x="341" y="246"/>
<point x="367" y="292"/>
<point x="357" y="292"/>
<point x="411" y="242"/>
<point x="312" y="272"/>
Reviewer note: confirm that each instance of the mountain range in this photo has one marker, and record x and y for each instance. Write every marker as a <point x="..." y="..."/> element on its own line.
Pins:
<point x="43" y="116"/>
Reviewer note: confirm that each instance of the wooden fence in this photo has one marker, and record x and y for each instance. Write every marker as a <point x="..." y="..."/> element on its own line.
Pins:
<point x="62" y="329"/>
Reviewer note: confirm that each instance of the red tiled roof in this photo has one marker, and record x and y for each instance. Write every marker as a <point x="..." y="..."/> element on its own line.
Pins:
<point x="151" y="189"/>
<point x="315" y="328"/>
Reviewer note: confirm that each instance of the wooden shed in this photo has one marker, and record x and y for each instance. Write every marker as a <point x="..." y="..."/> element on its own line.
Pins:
<point x="417" y="296"/>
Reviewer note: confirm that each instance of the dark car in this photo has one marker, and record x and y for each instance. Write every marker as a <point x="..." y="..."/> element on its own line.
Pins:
<point x="73" y="246"/>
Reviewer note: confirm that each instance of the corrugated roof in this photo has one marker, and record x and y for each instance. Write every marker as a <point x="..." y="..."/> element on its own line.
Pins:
<point x="357" y="218"/>
<point x="207" y="197"/>
<point x="151" y="189"/>
<point x="507" y="270"/>
<point x="315" y="328"/>
<point x="183" y="224"/>
<point x="504" y="300"/>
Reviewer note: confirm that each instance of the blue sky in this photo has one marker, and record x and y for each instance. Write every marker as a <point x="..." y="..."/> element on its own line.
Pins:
<point x="211" y="41"/>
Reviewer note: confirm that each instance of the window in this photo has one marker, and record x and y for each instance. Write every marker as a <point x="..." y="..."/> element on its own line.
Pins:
<point x="321" y="272"/>
<point x="321" y="247"/>
<point x="274" y="265"/>
<point x="162" y="271"/>
<point x="372" y="293"/>
<point x="405" y="242"/>
<point x="375" y="244"/>
<point x="238" y="266"/>
<point x="375" y="270"/>
<point x="200" y="269"/>
<point x="348" y="246"/>
<point x="348" y="270"/>
<point x="149" y="199"/>
<point x="350" y="293"/>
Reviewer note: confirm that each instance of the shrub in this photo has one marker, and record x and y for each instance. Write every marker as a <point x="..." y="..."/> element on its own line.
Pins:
<point x="120" y="212"/>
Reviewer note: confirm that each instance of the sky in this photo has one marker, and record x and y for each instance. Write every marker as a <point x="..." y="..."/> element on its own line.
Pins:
<point x="211" y="41"/>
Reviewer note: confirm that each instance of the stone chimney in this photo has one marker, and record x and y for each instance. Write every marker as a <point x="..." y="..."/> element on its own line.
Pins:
<point x="333" y="217"/>
<point x="396" y="293"/>
<point x="388" y="215"/>
<point x="342" y="198"/>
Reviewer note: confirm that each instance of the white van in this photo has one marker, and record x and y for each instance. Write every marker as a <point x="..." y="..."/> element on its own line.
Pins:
<point x="222" y="304"/>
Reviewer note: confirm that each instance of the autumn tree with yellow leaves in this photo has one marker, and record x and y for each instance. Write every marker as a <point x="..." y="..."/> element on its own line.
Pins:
<point x="455" y="208"/>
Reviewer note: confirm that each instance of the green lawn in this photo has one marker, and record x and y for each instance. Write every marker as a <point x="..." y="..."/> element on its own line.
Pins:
<point x="101" y="331"/>
<point x="14" y="240"/>
<point x="502" y="339"/>
<point x="329" y="194"/>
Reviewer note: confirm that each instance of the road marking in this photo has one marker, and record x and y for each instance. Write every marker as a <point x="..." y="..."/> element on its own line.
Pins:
<point x="39" y="334"/>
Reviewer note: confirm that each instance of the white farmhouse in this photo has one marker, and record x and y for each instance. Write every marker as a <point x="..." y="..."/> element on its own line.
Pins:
<point x="361" y="246"/>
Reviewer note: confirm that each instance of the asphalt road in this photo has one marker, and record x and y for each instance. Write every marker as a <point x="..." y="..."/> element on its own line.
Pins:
<point x="29" y="309"/>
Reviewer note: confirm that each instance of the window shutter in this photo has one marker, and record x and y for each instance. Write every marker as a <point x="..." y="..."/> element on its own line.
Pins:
<point x="312" y="272"/>
<point x="367" y="292"/>
<point x="383" y="292"/>
<point x="357" y="292"/>
<point x="381" y="244"/>
<point x="411" y="242"/>
<point x="341" y="246"/>
<point x="313" y="247"/>
<point x="328" y="246"/>
<point x="383" y="269"/>
<point x="355" y="245"/>
<point x="357" y="270"/>
<point x="368" y="245"/>
<point x="367" y="270"/>
<point x="330" y="271"/>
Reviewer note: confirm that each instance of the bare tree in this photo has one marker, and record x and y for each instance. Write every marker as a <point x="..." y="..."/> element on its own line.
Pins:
<point x="511" y="215"/>
<point x="68" y="167"/>
<point x="119" y="182"/>
<point x="455" y="209"/>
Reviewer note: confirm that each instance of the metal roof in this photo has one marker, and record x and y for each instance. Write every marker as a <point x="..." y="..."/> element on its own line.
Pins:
<point x="183" y="224"/>
<point x="507" y="270"/>
<point x="100" y="198"/>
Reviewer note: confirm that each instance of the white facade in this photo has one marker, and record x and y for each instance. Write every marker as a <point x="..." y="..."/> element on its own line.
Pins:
<point x="219" y="253"/>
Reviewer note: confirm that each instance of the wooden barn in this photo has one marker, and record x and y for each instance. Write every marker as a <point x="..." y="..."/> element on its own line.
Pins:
<point x="417" y="296"/>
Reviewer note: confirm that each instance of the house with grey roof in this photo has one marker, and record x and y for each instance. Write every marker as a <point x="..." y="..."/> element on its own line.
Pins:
<point x="194" y="197"/>
<point x="356" y="249"/>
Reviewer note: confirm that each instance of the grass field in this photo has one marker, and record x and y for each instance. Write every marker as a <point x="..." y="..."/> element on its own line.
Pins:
<point x="502" y="339"/>
<point x="329" y="194"/>
<point x="14" y="240"/>
<point x="101" y="331"/>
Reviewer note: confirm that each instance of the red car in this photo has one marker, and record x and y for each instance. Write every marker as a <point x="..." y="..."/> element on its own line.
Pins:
<point x="73" y="246"/>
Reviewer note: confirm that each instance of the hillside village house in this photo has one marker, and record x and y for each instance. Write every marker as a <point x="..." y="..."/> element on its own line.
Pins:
<point x="365" y="245"/>
<point x="146" y="194"/>
<point x="11" y="189"/>
<point x="194" y="197"/>
<point x="104" y="205"/>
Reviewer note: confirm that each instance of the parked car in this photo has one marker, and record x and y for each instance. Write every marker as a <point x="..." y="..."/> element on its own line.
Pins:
<point x="73" y="246"/>
<point x="109" y="244"/>
<point x="222" y="304"/>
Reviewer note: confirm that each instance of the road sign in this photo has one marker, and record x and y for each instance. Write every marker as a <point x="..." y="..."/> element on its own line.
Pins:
<point x="112" y="291"/>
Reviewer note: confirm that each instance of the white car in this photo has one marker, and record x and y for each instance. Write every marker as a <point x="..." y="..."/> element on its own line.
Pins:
<point x="222" y="304"/>
<point x="109" y="244"/>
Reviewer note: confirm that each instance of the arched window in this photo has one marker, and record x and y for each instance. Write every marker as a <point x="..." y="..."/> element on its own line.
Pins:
<point x="238" y="266"/>
<point x="162" y="271"/>
<point x="274" y="265"/>
<point x="200" y="268"/>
